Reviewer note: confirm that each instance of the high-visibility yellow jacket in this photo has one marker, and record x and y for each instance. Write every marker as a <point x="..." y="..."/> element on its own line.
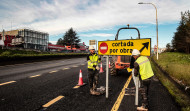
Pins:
<point x="93" y="61"/>
<point x="145" y="68"/>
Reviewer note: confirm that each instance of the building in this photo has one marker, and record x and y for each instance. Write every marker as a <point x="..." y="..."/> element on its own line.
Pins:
<point x="52" y="47"/>
<point x="28" y="39"/>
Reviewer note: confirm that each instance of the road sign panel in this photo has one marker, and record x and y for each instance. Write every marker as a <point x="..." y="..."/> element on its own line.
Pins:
<point x="92" y="42"/>
<point x="103" y="48"/>
<point x="125" y="47"/>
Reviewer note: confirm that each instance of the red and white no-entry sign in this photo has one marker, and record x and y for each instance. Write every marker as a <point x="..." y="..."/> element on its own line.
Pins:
<point x="103" y="48"/>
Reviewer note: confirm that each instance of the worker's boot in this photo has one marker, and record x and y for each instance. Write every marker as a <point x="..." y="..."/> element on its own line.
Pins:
<point x="142" y="108"/>
<point x="94" y="87"/>
<point x="93" y="92"/>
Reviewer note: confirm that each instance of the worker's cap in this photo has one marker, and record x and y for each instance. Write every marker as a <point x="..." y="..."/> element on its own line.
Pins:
<point x="135" y="52"/>
<point x="91" y="48"/>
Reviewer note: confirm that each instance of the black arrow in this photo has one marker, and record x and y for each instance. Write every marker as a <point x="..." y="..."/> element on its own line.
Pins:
<point x="145" y="45"/>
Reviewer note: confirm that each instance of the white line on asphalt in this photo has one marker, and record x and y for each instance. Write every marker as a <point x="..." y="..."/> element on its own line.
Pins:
<point x="7" y="83"/>
<point x="76" y="87"/>
<point x="53" y="101"/>
<point x="75" y="66"/>
<point x="35" y="76"/>
<point x="53" y="71"/>
<point x="65" y="68"/>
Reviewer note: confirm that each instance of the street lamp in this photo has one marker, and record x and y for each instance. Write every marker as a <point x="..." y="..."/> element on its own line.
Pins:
<point x="156" y="23"/>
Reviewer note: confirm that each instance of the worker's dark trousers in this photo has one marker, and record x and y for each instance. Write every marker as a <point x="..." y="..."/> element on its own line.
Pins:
<point x="93" y="76"/>
<point x="144" y="91"/>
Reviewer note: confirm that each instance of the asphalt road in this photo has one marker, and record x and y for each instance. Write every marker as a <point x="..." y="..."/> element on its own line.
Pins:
<point x="49" y="86"/>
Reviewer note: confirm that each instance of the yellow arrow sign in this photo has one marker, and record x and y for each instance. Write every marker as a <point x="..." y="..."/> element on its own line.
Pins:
<point x="124" y="47"/>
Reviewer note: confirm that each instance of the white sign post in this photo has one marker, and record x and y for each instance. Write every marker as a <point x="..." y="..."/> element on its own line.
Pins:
<point x="137" y="85"/>
<point x="107" y="75"/>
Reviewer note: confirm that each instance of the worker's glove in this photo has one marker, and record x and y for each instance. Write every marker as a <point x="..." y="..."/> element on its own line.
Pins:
<point x="97" y="68"/>
<point x="94" y="66"/>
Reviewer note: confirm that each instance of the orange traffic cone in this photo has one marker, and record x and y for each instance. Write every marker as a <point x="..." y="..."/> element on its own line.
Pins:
<point x="80" y="82"/>
<point x="101" y="69"/>
<point x="109" y="65"/>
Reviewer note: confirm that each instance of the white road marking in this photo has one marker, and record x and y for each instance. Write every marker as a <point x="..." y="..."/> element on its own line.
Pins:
<point x="7" y="83"/>
<point x="76" y="87"/>
<point x="65" y="68"/>
<point x="35" y="76"/>
<point x="53" y="71"/>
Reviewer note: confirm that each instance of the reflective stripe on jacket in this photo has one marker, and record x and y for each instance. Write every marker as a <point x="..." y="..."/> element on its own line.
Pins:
<point x="93" y="61"/>
<point x="145" y="68"/>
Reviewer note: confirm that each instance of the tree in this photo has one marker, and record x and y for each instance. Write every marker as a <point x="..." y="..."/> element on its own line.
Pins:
<point x="168" y="47"/>
<point x="59" y="42"/>
<point x="180" y="40"/>
<point x="70" y="38"/>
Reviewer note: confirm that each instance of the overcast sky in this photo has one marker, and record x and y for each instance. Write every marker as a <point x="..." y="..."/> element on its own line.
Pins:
<point x="94" y="19"/>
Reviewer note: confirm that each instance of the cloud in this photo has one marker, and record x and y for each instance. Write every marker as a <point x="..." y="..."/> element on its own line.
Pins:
<point x="97" y="35"/>
<point x="53" y="42"/>
<point x="57" y="16"/>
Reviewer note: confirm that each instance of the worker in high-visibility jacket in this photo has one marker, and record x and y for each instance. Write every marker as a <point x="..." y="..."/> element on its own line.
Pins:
<point x="93" y="68"/>
<point x="142" y="67"/>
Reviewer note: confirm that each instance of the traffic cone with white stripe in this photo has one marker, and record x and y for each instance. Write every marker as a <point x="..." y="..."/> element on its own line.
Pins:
<point x="109" y="65"/>
<point x="101" y="68"/>
<point x="80" y="82"/>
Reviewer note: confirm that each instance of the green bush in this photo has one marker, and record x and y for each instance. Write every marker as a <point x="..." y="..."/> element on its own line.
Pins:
<point x="6" y="53"/>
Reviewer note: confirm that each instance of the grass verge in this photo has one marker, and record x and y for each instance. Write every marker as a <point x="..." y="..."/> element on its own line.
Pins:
<point x="181" y="99"/>
<point x="177" y="65"/>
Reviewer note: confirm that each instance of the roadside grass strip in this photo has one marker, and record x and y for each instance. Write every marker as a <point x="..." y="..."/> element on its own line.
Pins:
<point x="121" y="95"/>
<point x="53" y="101"/>
<point x="53" y="71"/>
<point x="181" y="98"/>
<point x="35" y="76"/>
<point x="65" y="68"/>
<point x="76" y="87"/>
<point x="7" y="83"/>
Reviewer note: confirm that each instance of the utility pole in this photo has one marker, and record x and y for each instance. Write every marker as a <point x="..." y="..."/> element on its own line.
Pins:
<point x="156" y="23"/>
<point x="3" y="38"/>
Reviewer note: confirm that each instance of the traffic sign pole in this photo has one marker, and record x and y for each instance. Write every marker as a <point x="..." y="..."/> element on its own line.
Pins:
<point x="107" y="75"/>
<point x="96" y="46"/>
